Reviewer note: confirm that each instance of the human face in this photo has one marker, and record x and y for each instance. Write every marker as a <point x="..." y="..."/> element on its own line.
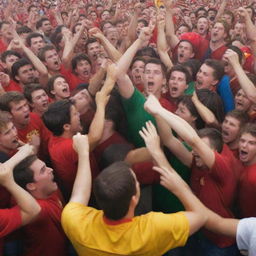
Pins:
<point x="192" y="18"/>
<point x="154" y="79"/>
<point x="137" y="72"/>
<point x="83" y="101"/>
<point x="198" y="160"/>
<point x="181" y="30"/>
<point x="227" y="18"/>
<point x="93" y="50"/>
<point x="60" y="89"/>
<point x="106" y="26"/>
<point x="239" y="29"/>
<point x="52" y="60"/>
<point x="185" y="52"/>
<point x="43" y="179"/>
<point x="139" y="27"/>
<point x="75" y="123"/>
<point x="39" y="101"/>
<point x="230" y="129"/>
<point x="241" y="101"/>
<point x="218" y="33"/>
<point x="112" y="35"/>
<point x="10" y="59"/>
<point x="105" y="15"/>
<point x="205" y="78"/>
<point x="20" y="113"/>
<point x="202" y="26"/>
<point x="26" y="74"/>
<point x="247" y="149"/>
<point x="8" y="138"/>
<point x="37" y="43"/>
<point x="83" y="69"/>
<point x="46" y="27"/>
<point x="183" y="112"/>
<point x="6" y="32"/>
<point x="177" y="84"/>
<point x="93" y="16"/>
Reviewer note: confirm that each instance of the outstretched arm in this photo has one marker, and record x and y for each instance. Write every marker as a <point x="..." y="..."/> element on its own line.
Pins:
<point x="28" y="206"/>
<point x="183" y="129"/>
<point x="82" y="186"/>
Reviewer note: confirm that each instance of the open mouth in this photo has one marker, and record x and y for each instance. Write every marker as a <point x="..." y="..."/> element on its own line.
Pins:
<point x="26" y="116"/>
<point x="65" y="90"/>
<point x="243" y="154"/>
<point x="174" y="89"/>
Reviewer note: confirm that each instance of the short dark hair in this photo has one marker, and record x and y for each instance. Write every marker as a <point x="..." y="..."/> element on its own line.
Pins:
<point x="77" y="58"/>
<point x="194" y="66"/>
<point x="181" y="69"/>
<point x="17" y="65"/>
<point x="23" y="30"/>
<point x="114" y="188"/>
<point x="241" y="116"/>
<point x="40" y="22"/>
<point x="9" y="53"/>
<point x="5" y="118"/>
<point x="143" y="21"/>
<point x="57" y="115"/>
<point x="214" y="137"/>
<point x="91" y="41"/>
<point x="200" y="9"/>
<point x="8" y="98"/>
<point x="31" y="36"/>
<point x="147" y="52"/>
<point x="217" y="66"/>
<point x="139" y="58"/>
<point x="238" y="51"/>
<point x="157" y="62"/>
<point x="29" y="89"/>
<point x="50" y="84"/>
<point x="250" y="128"/>
<point x="41" y="54"/>
<point x="22" y="173"/>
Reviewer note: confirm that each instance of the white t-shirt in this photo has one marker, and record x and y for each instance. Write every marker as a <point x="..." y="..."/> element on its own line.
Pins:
<point x="246" y="236"/>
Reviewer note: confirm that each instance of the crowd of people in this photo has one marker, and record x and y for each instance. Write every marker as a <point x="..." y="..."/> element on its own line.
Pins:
<point x="127" y="127"/>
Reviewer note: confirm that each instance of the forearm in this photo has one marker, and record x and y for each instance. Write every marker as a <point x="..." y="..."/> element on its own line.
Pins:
<point x="245" y="83"/>
<point x="28" y="205"/>
<point x="132" y="28"/>
<point x="165" y="58"/>
<point x="221" y="9"/>
<point x="170" y="30"/>
<point x="96" y="81"/>
<point x="250" y="28"/>
<point x="138" y="155"/>
<point x="82" y="186"/>
<point x="112" y="52"/>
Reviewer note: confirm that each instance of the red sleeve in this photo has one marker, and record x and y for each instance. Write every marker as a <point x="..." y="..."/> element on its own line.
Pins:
<point x="10" y="219"/>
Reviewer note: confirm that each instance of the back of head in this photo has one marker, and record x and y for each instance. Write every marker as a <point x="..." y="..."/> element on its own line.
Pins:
<point x="57" y="115"/>
<point x="218" y="68"/>
<point x="114" y="188"/>
<point x="214" y="137"/>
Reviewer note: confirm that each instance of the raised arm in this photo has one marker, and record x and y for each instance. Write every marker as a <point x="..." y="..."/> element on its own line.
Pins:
<point x="28" y="206"/>
<point x="173" y="40"/>
<point x="245" y="83"/>
<point x="82" y="186"/>
<point x="183" y="129"/>
<point x="112" y="52"/>
<point x="162" y="45"/>
<point x="221" y="9"/>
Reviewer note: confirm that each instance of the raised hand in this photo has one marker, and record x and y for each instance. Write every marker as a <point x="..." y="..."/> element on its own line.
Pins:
<point x="152" y="105"/>
<point x="80" y="143"/>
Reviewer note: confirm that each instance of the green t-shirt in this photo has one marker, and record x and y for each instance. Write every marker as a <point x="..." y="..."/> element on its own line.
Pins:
<point x="136" y="116"/>
<point x="191" y="88"/>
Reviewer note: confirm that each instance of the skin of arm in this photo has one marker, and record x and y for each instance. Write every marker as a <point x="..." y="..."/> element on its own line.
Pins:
<point x="162" y="45"/>
<point x="28" y="206"/>
<point x="112" y="52"/>
<point x="245" y="83"/>
<point x="170" y="141"/>
<point x="173" y="40"/>
<point x="205" y="113"/>
<point x="82" y="186"/>
<point x="102" y="97"/>
<point x="183" y="129"/>
<point x="221" y="9"/>
<point x="138" y="155"/>
<point x="194" y="208"/>
<point x="96" y="81"/>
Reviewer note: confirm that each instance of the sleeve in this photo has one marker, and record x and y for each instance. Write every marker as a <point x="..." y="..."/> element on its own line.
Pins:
<point x="170" y="231"/>
<point x="225" y="93"/>
<point x="246" y="235"/>
<point x="10" y="219"/>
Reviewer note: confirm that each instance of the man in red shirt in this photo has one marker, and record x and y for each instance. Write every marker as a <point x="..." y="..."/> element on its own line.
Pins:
<point x="213" y="178"/>
<point x="29" y="125"/>
<point x="27" y="208"/>
<point x="247" y="186"/>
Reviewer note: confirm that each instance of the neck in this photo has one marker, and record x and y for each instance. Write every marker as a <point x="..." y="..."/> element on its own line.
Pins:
<point x="233" y="144"/>
<point x="216" y="44"/>
<point x="66" y="134"/>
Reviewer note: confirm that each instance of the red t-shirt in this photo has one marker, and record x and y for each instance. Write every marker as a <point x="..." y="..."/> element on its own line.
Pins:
<point x="45" y="236"/>
<point x="170" y="106"/>
<point x="13" y="86"/>
<point x="65" y="162"/>
<point x="247" y="192"/>
<point x="234" y="86"/>
<point x="37" y="127"/>
<point x="10" y="219"/>
<point x="74" y="81"/>
<point x="218" y="53"/>
<point x="216" y="189"/>
<point x="3" y="46"/>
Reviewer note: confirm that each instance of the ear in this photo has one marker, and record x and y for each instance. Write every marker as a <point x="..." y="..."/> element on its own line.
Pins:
<point x="17" y="78"/>
<point x="31" y="186"/>
<point x="52" y="92"/>
<point x="66" y="127"/>
<point x="215" y="82"/>
<point x="192" y="55"/>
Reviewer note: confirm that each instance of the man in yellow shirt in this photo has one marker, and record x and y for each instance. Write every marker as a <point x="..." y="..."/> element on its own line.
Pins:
<point x="114" y="230"/>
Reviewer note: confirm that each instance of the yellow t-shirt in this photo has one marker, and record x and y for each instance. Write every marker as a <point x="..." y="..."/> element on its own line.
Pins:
<point x="151" y="234"/>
